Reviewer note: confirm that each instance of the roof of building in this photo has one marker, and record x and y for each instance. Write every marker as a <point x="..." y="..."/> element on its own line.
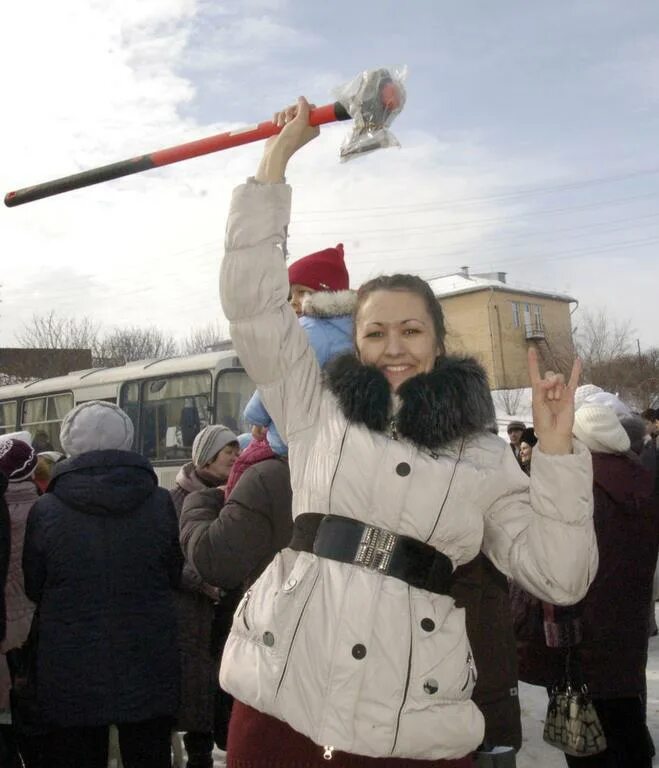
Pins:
<point x="451" y="285"/>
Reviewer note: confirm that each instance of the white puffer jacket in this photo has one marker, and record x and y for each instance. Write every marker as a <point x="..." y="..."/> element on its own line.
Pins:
<point x="339" y="652"/>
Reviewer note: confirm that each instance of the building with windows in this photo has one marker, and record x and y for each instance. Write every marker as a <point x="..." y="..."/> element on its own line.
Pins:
<point x="495" y="322"/>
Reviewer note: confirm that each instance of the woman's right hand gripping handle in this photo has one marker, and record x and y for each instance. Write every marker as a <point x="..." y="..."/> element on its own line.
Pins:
<point x="295" y="133"/>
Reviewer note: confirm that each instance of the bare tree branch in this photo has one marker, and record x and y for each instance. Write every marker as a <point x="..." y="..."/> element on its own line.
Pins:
<point x="204" y="338"/>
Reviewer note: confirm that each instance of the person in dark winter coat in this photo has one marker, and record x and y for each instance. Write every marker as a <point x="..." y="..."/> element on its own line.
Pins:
<point x="231" y="549"/>
<point x="482" y="590"/>
<point x="4" y="552"/>
<point x="101" y="557"/>
<point x="214" y="453"/>
<point x="19" y="461"/>
<point x="609" y="631"/>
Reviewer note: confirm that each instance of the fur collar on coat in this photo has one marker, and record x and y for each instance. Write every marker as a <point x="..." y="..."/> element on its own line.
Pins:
<point x="451" y="401"/>
<point x="329" y="303"/>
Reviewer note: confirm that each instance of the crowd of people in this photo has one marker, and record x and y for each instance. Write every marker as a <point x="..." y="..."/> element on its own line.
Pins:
<point x="366" y="581"/>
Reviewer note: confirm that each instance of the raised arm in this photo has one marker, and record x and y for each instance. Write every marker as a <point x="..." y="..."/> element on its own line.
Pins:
<point x="540" y="532"/>
<point x="254" y="284"/>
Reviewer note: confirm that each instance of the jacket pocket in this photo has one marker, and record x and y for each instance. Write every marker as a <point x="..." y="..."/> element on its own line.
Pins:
<point x="443" y="668"/>
<point x="268" y="613"/>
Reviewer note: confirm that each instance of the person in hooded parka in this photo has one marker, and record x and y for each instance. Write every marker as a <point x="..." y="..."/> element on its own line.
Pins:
<point x="101" y="557"/>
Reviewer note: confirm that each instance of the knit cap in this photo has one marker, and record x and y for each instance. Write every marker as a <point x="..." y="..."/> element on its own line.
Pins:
<point x="321" y="271"/>
<point x="209" y="442"/>
<point x="96" y="426"/>
<point x="583" y="392"/>
<point x="17" y="459"/>
<point x="597" y="426"/>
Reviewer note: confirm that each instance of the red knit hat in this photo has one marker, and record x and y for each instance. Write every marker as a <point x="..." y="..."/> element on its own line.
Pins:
<point x="322" y="271"/>
<point x="17" y="460"/>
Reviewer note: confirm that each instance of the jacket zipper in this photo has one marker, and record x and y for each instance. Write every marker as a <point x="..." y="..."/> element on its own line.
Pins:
<point x="409" y="674"/>
<point x="471" y="673"/>
<point x="242" y="608"/>
<point x="297" y="626"/>
<point x="336" y="468"/>
<point x="327" y="754"/>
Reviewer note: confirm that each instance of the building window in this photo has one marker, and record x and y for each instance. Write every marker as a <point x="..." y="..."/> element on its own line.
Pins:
<point x="537" y="316"/>
<point x="515" y="314"/>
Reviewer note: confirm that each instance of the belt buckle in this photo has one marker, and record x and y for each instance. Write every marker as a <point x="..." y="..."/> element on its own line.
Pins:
<point x="375" y="549"/>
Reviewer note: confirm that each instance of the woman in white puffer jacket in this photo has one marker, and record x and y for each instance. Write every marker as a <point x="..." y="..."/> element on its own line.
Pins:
<point x="349" y="647"/>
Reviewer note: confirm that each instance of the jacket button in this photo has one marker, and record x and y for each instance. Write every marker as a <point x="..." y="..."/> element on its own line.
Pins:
<point x="268" y="639"/>
<point x="427" y="625"/>
<point x="431" y="686"/>
<point x="359" y="651"/>
<point x="403" y="469"/>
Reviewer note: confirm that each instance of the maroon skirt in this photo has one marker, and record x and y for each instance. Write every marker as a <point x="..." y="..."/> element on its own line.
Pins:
<point x="257" y="740"/>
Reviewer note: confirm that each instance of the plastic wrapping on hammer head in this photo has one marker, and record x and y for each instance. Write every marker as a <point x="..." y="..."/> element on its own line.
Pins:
<point x="373" y="99"/>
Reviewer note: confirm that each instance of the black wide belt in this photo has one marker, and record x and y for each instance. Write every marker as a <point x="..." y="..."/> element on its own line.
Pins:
<point x="351" y="541"/>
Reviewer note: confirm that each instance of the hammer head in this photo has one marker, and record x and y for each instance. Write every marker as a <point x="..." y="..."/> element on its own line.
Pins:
<point x="373" y="99"/>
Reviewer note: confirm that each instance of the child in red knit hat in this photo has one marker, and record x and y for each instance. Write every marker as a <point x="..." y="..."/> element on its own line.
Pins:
<point x="321" y="298"/>
<point x="320" y="271"/>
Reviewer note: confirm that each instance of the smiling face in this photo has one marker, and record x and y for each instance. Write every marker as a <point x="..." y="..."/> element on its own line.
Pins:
<point x="394" y="332"/>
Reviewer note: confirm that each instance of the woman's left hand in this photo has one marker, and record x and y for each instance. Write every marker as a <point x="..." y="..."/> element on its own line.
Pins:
<point x="553" y="406"/>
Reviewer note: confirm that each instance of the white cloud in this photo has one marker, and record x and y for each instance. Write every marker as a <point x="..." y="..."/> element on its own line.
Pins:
<point x="102" y="81"/>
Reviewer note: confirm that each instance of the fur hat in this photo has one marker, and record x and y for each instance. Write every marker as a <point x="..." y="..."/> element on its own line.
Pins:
<point x="209" y="442"/>
<point x="17" y="459"/>
<point x="321" y="271"/>
<point x="597" y="426"/>
<point x="96" y="426"/>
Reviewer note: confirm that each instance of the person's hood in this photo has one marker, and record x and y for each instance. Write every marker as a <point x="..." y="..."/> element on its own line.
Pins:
<point x="189" y="480"/>
<point x="330" y="304"/>
<point x="623" y="478"/>
<point x="108" y="483"/>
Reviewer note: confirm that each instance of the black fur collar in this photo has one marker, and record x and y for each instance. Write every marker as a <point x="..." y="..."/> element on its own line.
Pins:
<point x="450" y="402"/>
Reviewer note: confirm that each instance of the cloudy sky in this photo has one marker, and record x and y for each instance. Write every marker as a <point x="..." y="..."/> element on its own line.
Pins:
<point x="529" y="145"/>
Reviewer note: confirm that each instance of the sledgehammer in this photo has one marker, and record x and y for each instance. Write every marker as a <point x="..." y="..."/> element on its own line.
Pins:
<point x="375" y="99"/>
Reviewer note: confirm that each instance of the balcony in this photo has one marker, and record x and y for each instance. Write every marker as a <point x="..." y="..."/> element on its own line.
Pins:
<point x="534" y="331"/>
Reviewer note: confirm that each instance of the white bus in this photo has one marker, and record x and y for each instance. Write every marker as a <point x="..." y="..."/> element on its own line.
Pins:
<point x="168" y="400"/>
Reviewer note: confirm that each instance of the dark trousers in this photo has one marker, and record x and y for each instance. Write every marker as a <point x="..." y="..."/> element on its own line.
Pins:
<point x="628" y="746"/>
<point x="143" y="745"/>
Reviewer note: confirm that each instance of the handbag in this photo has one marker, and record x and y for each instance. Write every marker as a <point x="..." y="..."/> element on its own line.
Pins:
<point x="22" y="663"/>
<point x="572" y="724"/>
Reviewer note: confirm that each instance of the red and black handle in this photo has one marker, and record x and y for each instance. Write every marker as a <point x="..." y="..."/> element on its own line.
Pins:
<point x="319" y="116"/>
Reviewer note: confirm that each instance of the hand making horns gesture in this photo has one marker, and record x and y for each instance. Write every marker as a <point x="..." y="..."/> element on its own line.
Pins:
<point x="553" y="406"/>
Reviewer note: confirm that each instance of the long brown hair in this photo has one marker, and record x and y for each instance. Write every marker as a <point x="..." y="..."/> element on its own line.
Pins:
<point x="412" y="284"/>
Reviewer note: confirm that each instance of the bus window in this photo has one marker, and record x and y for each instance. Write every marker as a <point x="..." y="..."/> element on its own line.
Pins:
<point x="232" y="393"/>
<point x="129" y="400"/>
<point x="8" y="417"/>
<point x="42" y="417"/>
<point x="174" y="410"/>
